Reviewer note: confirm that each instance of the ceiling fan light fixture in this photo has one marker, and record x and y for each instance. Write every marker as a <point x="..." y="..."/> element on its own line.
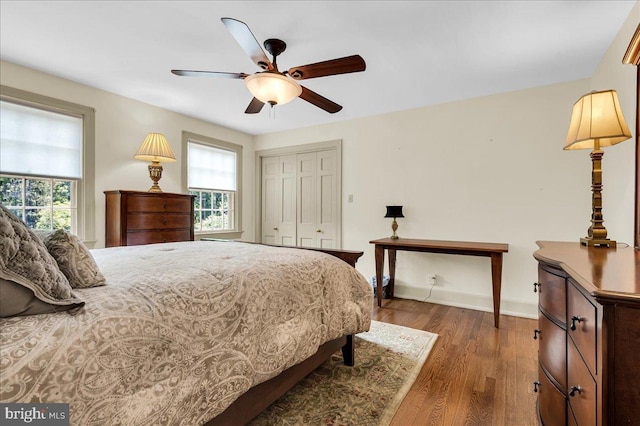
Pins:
<point x="272" y="88"/>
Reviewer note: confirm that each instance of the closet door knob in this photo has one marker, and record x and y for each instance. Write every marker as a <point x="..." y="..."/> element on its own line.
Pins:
<point x="275" y="229"/>
<point x="575" y="389"/>
<point x="318" y="230"/>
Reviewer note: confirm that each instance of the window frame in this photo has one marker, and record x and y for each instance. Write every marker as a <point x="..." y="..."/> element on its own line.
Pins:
<point x="237" y="212"/>
<point x="229" y="209"/>
<point x="85" y="191"/>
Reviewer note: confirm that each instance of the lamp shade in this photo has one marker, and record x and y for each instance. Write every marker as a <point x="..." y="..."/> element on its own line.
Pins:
<point x="155" y="147"/>
<point x="597" y="115"/>
<point x="394" y="211"/>
<point x="272" y="88"/>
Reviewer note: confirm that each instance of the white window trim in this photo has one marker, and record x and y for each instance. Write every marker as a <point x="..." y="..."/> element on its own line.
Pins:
<point x="215" y="143"/>
<point x="86" y="186"/>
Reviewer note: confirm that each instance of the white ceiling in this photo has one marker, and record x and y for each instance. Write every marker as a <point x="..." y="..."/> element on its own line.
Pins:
<point x="417" y="52"/>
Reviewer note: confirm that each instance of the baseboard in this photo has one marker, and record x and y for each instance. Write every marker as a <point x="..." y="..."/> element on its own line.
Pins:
<point x="442" y="296"/>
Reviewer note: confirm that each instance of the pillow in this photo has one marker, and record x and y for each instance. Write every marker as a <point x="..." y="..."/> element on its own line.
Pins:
<point x="16" y="300"/>
<point x="26" y="261"/>
<point x="74" y="258"/>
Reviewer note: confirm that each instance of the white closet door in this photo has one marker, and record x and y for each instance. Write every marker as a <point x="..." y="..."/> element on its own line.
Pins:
<point x="327" y="194"/>
<point x="279" y="200"/>
<point x="287" y="200"/>
<point x="270" y="197"/>
<point x="307" y="200"/>
<point x="301" y="199"/>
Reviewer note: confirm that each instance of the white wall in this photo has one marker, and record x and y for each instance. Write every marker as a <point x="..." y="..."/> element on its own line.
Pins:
<point x="121" y="125"/>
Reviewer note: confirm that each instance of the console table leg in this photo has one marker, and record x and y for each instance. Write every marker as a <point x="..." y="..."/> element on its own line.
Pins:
<point x="379" y="269"/>
<point x="392" y="272"/>
<point x="496" y="280"/>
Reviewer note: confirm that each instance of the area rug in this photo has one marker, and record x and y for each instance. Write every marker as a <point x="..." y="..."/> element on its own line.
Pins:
<point x="388" y="360"/>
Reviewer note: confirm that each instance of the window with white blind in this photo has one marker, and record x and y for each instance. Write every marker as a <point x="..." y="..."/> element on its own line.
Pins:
<point x="214" y="171"/>
<point x="46" y="162"/>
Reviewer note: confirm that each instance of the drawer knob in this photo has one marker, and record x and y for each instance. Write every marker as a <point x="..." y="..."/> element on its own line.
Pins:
<point x="536" y="385"/>
<point x="575" y="319"/>
<point x="536" y="287"/>
<point x="535" y="334"/>
<point x="575" y="389"/>
<point x="275" y="229"/>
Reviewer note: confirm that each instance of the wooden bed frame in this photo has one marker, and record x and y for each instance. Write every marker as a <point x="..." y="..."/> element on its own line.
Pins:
<point x="259" y="397"/>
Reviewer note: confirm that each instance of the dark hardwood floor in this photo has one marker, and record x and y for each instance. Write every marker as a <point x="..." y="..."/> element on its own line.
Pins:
<point x="475" y="374"/>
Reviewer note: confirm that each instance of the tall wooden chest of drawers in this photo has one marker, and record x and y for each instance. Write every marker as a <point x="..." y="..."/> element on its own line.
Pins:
<point x="589" y="335"/>
<point x="135" y="218"/>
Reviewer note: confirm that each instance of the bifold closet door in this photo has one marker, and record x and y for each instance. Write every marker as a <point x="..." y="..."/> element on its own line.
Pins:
<point x="300" y="199"/>
<point x="317" y="199"/>
<point x="279" y="218"/>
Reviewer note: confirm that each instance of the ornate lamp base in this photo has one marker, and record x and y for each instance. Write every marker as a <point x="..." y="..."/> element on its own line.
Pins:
<point x="394" y="227"/>
<point x="597" y="242"/>
<point x="155" y="173"/>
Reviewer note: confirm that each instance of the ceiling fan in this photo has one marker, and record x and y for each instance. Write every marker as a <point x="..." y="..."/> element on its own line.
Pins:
<point x="271" y="85"/>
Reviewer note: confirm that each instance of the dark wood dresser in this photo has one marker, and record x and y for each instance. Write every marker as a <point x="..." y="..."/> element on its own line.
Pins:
<point x="588" y="334"/>
<point x="135" y="218"/>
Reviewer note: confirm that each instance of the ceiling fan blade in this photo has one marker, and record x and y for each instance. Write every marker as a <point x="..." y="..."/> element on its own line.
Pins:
<point x="255" y="106"/>
<point x="319" y="101"/>
<point x="245" y="38"/>
<point x="191" y="73"/>
<point x="344" y="65"/>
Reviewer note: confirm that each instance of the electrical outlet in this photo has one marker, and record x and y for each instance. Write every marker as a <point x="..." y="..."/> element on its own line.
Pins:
<point x="431" y="279"/>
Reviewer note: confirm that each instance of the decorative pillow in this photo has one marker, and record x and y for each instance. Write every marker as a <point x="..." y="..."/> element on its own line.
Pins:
<point x="16" y="300"/>
<point x="74" y="259"/>
<point x="25" y="260"/>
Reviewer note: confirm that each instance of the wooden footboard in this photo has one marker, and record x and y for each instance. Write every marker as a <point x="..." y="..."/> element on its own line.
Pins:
<point x="349" y="256"/>
<point x="259" y="397"/>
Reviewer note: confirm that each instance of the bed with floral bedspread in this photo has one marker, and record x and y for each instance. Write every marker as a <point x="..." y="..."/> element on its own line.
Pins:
<point x="180" y="330"/>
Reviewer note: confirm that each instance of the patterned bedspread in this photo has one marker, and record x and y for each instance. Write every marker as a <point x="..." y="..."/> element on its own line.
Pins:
<point x="180" y="331"/>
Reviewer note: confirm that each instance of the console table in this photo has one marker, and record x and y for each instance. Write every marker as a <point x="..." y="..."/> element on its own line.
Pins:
<point x="492" y="250"/>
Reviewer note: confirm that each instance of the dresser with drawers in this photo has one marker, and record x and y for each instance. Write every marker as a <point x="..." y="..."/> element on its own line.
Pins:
<point x="135" y="218"/>
<point x="588" y="334"/>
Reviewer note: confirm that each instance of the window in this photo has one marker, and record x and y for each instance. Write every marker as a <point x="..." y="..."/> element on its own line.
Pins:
<point x="213" y="210"/>
<point x="42" y="203"/>
<point x="46" y="162"/>
<point x="213" y="176"/>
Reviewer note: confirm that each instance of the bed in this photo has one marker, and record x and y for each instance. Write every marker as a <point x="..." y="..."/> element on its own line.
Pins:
<point x="203" y="332"/>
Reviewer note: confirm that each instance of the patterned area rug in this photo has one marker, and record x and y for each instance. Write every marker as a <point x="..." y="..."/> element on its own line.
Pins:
<point x="388" y="360"/>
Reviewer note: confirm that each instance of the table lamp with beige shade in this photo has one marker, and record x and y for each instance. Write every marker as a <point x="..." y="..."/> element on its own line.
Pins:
<point x="155" y="148"/>
<point x="597" y="122"/>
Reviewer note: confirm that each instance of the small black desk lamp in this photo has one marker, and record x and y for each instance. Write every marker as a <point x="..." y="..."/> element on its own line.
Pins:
<point x="394" y="212"/>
